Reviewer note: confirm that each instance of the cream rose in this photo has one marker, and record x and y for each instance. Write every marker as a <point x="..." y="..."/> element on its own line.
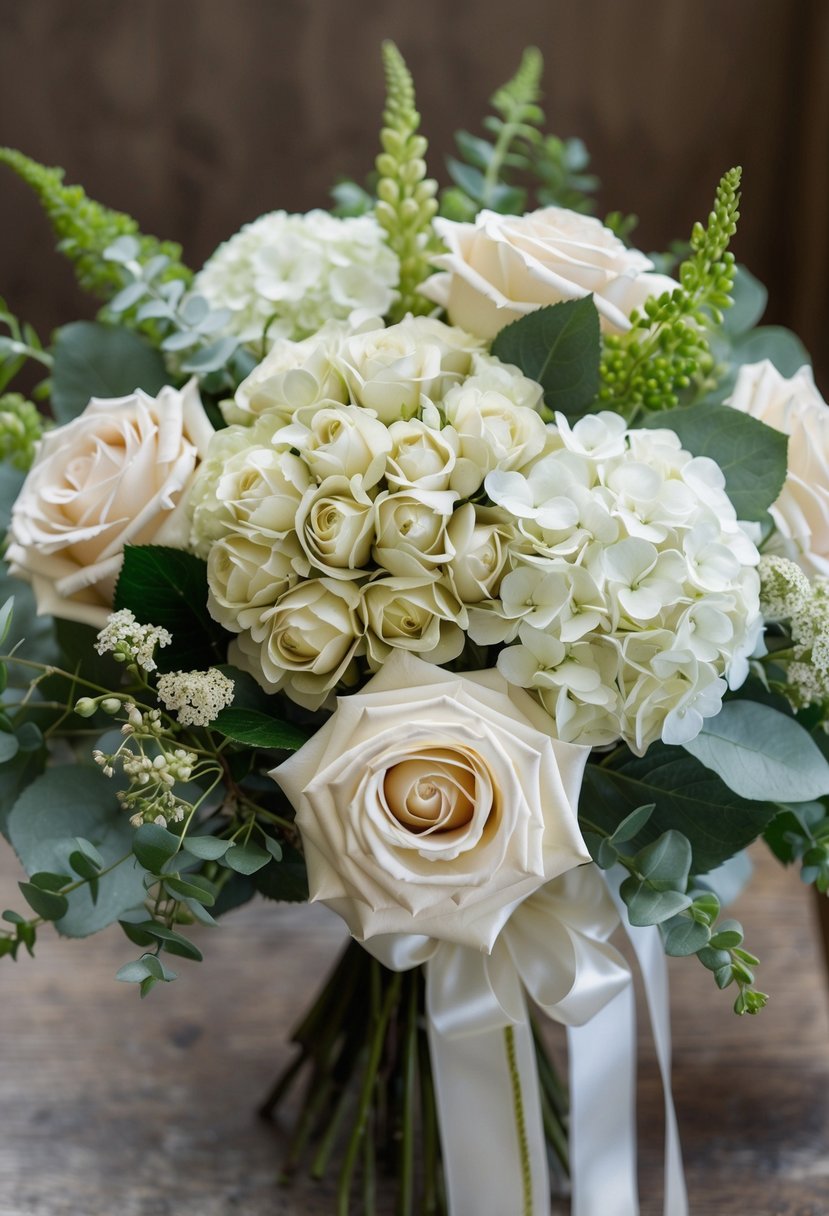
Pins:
<point x="420" y="614"/>
<point x="115" y="475"/>
<point x="340" y="441"/>
<point x="794" y="406"/>
<point x="292" y="376"/>
<point x="305" y="642"/>
<point x="245" y="578"/>
<point x="391" y="370"/>
<point x="434" y="804"/>
<point x="502" y="267"/>
<point x="335" y="526"/>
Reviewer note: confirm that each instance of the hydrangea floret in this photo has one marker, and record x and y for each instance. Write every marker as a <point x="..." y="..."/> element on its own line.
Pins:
<point x="284" y="276"/>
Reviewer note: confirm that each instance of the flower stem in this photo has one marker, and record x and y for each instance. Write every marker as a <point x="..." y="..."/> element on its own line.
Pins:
<point x="392" y="995"/>
<point x="520" y="1122"/>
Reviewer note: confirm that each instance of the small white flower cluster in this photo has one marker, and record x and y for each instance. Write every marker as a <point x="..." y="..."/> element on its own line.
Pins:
<point x="196" y="697"/>
<point x="284" y="276"/>
<point x="787" y="595"/>
<point x="398" y="489"/>
<point x="129" y="642"/>
<point x="153" y="764"/>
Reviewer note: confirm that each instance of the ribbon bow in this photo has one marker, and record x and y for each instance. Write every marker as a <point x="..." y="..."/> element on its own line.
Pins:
<point x="554" y="949"/>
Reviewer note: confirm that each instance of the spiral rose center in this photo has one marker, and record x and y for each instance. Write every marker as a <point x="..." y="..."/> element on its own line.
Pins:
<point x="433" y="793"/>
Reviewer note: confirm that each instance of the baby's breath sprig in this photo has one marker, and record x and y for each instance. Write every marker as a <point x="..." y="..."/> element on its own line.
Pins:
<point x="666" y="350"/>
<point x="406" y="201"/>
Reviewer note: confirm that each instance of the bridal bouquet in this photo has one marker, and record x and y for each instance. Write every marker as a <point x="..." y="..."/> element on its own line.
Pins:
<point x="447" y="560"/>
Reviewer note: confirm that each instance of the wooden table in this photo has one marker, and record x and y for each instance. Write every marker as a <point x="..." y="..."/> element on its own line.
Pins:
<point x="114" y="1107"/>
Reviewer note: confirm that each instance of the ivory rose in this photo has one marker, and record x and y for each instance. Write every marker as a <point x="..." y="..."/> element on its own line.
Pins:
<point x="794" y="406"/>
<point x="434" y="804"/>
<point x="502" y="267"/>
<point x="115" y="475"/>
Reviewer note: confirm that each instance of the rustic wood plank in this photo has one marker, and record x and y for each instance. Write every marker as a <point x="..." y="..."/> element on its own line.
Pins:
<point x="109" y="1104"/>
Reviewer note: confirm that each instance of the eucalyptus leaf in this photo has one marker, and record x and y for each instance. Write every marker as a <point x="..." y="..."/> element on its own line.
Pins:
<point x="762" y="754"/>
<point x="559" y="346"/>
<point x="685" y="936"/>
<point x="94" y="360"/>
<point x="688" y="797"/>
<point x="154" y="845"/>
<point x="751" y="455"/>
<point x="64" y="802"/>
<point x="246" y="858"/>
<point x="47" y="904"/>
<point x="648" y="907"/>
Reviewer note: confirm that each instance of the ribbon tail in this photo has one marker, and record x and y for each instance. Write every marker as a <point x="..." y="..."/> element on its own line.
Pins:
<point x="647" y="945"/>
<point x="490" y="1155"/>
<point x="602" y="1066"/>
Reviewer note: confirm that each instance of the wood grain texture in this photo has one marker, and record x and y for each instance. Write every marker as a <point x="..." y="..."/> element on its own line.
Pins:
<point x="111" y="1105"/>
<point x="196" y="116"/>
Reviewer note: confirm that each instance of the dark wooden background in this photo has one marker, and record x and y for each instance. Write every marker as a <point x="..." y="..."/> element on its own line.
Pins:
<point x="197" y="115"/>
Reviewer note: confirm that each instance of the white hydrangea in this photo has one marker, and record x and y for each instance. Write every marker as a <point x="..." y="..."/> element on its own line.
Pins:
<point x="633" y="599"/>
<point x="289" y="274"/>
<point x="129" y="642"/>
<point x="195" y="697"/>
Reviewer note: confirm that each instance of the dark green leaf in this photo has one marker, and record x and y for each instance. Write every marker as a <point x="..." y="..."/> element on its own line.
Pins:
<point x="246" y="858"/>
<point x="9" y="747"/>
<point x="559" y="347"/>
<point x="153" y="845"/>
<point x="751" y="455"/>
<point x="727" y="934"/>
<point x="87" y="848"/>
<point x="168" y="587"/>
<point x="93" y="360"/>
<point x="286" y="880"/>
<point x="688" y="797"/>
<point x="257" y="729"/>
<point x="47" y="904"/>
<point x="762" y="754"/>
<point x="47" y="881"/>
<point x="146" y="933"/>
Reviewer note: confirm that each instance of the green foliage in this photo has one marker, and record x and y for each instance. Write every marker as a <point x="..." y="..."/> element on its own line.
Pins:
<point x="660" y="891"/>
<point x="94" y="360"/>
<point x="687" y="797"/>
<point x="257" y="729"/>
<point x="762" y="754"/>
<point x="751" y="455"/>
<point x="667" y="350"/>
<point x="18" y="346"/>
<point x="21" y="426"/>
<point x="85" y="229"/>
<point x="182" y="323"/>
<point x="559" y="347"/>
<point x="502" y="173"/>
<point x="406" y="201"/>
<point x="351" y="199"/>
<point x="168" y="587"/>
<point x="58" y="807"/>
<point x="801" y="834"/>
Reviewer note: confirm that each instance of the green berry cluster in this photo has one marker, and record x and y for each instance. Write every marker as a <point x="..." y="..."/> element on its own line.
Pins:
<point x="666" y="351"/>
<point x="21" y="426"/>
<point x="406" y="202"/>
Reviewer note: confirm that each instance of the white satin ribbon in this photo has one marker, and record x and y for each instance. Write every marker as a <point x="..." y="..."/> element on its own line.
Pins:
<point x="554" y="948"/>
